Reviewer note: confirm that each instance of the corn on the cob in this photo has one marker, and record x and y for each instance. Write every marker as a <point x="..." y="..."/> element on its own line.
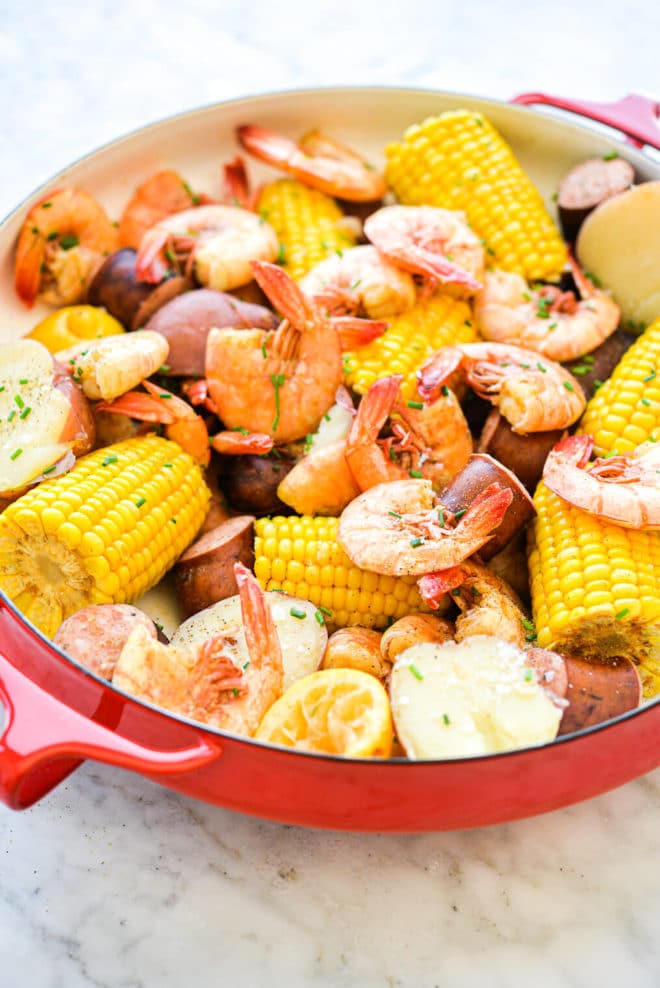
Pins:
<point x="103" y="533"/>
<point x="408" y="340"/>
<point x="625" y="411"/>
<point x="307" y="223"/>
<point x="459" y="161"/>
<point x="595" y="586"/>
<point x="301" y="555"/>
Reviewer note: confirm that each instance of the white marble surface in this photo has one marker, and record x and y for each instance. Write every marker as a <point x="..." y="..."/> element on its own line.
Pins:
<point x="114" y="882"/>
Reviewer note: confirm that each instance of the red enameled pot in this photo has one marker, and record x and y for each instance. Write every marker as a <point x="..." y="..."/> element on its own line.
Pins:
<point x="57" y="713"/>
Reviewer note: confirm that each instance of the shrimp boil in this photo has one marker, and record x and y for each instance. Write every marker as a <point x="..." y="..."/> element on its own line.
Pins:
<point x="218" y="243"/>
<point x="622" y="489"/>
<point x="205" y="681"/>
<point x="557" y="324"/>
<point x="162" y="194"/>
<point x="435" y="243"/>
<point x="532" y="395"/>
<point x="62" y="242"/>
<point x="317" y="161"/>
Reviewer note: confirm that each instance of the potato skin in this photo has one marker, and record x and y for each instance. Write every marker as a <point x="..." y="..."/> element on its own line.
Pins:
<point x="116" y="287"/>
<point x="205" y="572"/>
<point x="250" y="483"/>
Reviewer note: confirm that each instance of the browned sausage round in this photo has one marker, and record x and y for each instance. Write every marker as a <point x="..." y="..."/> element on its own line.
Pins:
<point x="523" y="455"/>
<point x="598" y="691"/>
<point x="95" y="635"/>
<point x="205" y="572"/>
<point x="250" y="482"/>
<point x="587" y="185"/>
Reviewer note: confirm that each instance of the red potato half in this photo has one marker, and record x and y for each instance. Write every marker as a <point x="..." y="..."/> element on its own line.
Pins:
<point x="205" y="572"/>
<point x="42" y="418"/>
<point x="95" y="635"/>
<point x="302" y="636"/>
<point x="117" y="289"/>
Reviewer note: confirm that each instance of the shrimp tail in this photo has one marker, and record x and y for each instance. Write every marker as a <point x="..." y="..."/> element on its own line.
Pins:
<point x="354" y="332"/>
<point x="575" y="450"/>
<point x="137" y="405"/>
<point x="260" y="632"/>
<point x="282" y="291"/>
<point x="150" y="265"/>
<point x="235" y="443"/>
<point x="236" y="191"/>
<point x="373" y="411"/>
<point x="487" y="510"/>
<point x="436" y="267"/>
<point x="433" y="586"/>
<point x="28" y="268"/>
<point x="585" y="287"/>
<point x="267" y="145"/>
<point x="437" y="370"/>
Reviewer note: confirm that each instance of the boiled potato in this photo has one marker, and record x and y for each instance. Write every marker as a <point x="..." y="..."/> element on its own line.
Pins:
<point x="474" y="697"/>
<point x="303" y="639"/>
<point x="619" y="244"/>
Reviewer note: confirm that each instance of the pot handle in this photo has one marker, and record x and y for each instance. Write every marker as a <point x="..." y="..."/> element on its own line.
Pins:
<point x="43" y="740"/>
<point x="636" y="116"/>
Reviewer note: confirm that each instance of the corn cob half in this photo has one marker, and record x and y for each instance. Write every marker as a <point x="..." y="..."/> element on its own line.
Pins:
<point x="300" y="554"/>
<point x="306" y="221"/>
<point x="595" y="586"/>
<point x="459" y="161"/>
<point x="103" y="533"/>
<point x="408" y="340"/>
<point x="625" y="411"/>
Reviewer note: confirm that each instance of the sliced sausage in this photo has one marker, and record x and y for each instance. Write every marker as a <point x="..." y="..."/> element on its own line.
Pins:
<point x="205" y="572"/>
<point x="587" y="185"/>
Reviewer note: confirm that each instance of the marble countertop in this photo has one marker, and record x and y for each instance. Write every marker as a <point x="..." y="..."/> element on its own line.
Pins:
<point x="114" y="882"/>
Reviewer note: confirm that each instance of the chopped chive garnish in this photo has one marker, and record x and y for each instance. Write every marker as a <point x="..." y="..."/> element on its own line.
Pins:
<point x="441" y="516"/>
<point x="297" y="613"/>
<point x="140" y="501"/>
<point x="568" y="385"/>
<point x="527" y="296"/>
<point x="530" y="637"/>
<point x="597" y="384"/>
<point x="278" y="381"/>
<point x="173" y="520"/>
<point x="610" y="155"/>
<point x="327" y="416"/>
<point x="2" y="388"/>
<point x="527" y="625"/>
<point x="646" y="402"/>
<point x="263" y="351"/>
<point x="164" y="394"/>
<point x="650" y="376"/>
<point x="459" y="514"/>
<point x="163" y="369"/>
<point x="392" y="454"/>
<point x="49" y="469"/>
<point x="417" y="542"/>
<point x="24" y="414"/>
<point x="528" y="675"/>
<point x="235" y="691"/>
<point x="444" y="390"/>
<point x="325" y="610"/>
<point x="416" y="474"/>
<point x="319" y="617"/>
<point x="19" y="401"/>
<point x="11" y="415"/>
<point x="245" y="665"/>
<point x="415" y="671"/>
<point x="22" y="380"/>
<point x="69" y="241"/>
<point x="110" y="459"/>
<point x="468" y="323"/>
<point x="415" y="404"/>
<point x="544" y="370"/>
<point x="476" y="592"/>
<point x="445" y="718"/>
<point x="456" y="592"/>
<point x="394" y="513"/>
<point x="580" y="370"/>
<point x="281" y="254"/>
<point x="15" y="455"/>
<point x="165" y="465"/>
<point x="621" y="614"/>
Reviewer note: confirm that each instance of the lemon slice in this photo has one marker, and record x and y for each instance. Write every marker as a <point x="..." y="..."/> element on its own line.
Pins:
<point x="334" y="711"/>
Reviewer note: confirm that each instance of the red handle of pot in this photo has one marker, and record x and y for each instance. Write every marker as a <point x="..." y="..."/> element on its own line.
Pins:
<point x="43" y="740"/>
<point x="635" y="116"/>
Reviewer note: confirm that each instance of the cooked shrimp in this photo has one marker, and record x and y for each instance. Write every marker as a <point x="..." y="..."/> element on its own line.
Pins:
<point x="161" y="195"/>
<point x="414" y="629"/>
<point x="110" y="366"/>
<point x="158" y="405"/>
<point x="317" y="161"/>
<point x="217" y="242"/>
<point x="488" y="605"/>
<point x="362" y="282"/>
<point x="280" y="383"/>
<point x="621" y="489"/>
<point x="435" y="243"/>
<point x="532" y="395"/>
<point x="63" y="240"/>
<point x="557" y="324"/>
<point x="399" y="528"/>
<point x="204" y="681"/>
<point x="432" y="438"/>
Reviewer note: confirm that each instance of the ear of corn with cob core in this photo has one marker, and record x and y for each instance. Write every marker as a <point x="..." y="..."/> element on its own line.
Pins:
<point x="307" y="223"/>
<point x="459" y="161"/>
<point x="106" y="532"/>
<point x="409" y="339"/>
<point x="625" y="411"/>
<point x="300" y="555"/>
